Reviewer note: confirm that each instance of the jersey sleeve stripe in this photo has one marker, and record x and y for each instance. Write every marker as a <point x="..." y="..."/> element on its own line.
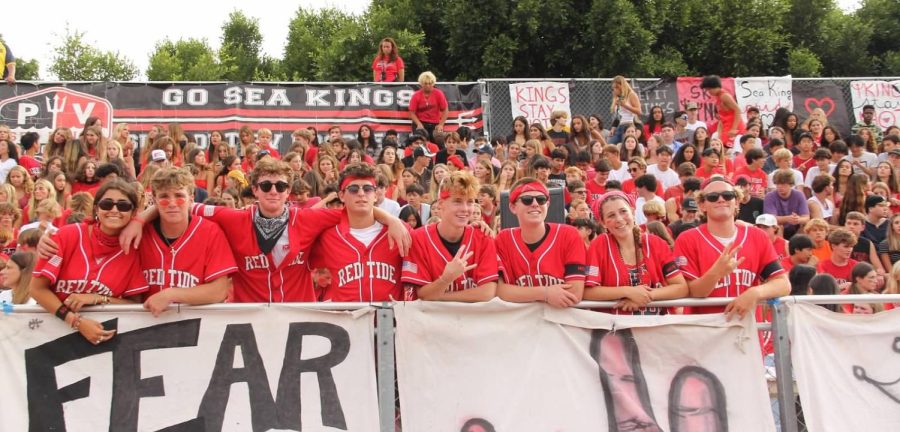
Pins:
<point x="48" y="275"/>
<point x="689" y="275"/>
<point x="487" y="279"/>
<point x="137" y="290"/>
<point x="575" y="277"/>
<point x="220" y="273"/>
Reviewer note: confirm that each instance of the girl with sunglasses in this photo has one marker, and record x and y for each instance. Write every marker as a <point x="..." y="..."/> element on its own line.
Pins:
<point x="542" y="262"/>
<point x="90" y="268"/>
<point x="724" y="259"/>
<point x="630" y="266"/>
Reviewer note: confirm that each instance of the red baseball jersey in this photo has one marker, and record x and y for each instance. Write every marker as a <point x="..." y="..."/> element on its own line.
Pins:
<point x="595" y="190"/>
<point x="199" y="256"/>
<point x="696" y="250"/>
<point x="759" y="180"/>
<point x="84" y="265"/>
<point x="31" y="165"/>
<point x="560" y="258"/>
<point x="607" y="268"/>
<point x="428" y="256"/>
<point x="359" y="273"/>
<point x="258" y="279"/>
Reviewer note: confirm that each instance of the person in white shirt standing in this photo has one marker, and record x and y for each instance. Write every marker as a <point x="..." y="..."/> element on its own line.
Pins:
<point x="693" y="121"/>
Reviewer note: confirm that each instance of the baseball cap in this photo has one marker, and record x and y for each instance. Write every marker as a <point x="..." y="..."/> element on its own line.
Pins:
<point x="894" y="152"/>
<point x="689" y="204"/>
<point x="766" y="220"/>
<point x="692" y="106"/>
<point x="804" y="134"/>
<point x="262" y="153"/>
<point x="158" y="155"/>
<point x="456" y="161"/>
<point x="874" y="200"/>
<point x="422" y="151"/>
<point x="485" y="149"/>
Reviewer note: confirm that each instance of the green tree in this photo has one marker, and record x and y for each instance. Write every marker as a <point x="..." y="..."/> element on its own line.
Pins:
<point x="75" y="60"/>
<point x="883" y="16"/>
<point x="622" y="44"/>
<point x="27" y="70"/>
<point x="309" y="32"/>
<point x="846" y="52"/>
<point x="805" y="20"/>
<point x="184" y="60"/>
<point x="241" y="47"/>
<point x="804" y="63"/>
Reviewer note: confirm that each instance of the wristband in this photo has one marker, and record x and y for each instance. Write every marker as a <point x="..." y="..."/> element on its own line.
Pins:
<point x="62" y="311"/>
<point x="139" y="220"/>
<point x="76" y="322"/>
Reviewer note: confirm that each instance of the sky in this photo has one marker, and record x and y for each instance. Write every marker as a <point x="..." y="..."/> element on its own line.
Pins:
<point x="134" y="28"/>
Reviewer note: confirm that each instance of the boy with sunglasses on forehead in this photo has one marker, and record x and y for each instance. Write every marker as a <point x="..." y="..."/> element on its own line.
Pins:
<point x="541" y="262"/>
<point x="270" y="241"/>
<point x="355" y="251"/>
<point x="723" y="259"/>
<point x="187" y="253"/>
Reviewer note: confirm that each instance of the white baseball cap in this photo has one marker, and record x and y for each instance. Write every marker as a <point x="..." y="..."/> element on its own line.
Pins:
<point x="158" y="155"/>
<point x="766" y="220"/>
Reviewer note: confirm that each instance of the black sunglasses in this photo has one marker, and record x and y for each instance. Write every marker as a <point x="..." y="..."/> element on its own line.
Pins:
<point x="122" y="205"/>
<point x="266" y="186"/>
<point x="714" y="196"/>
<point x="528" y="200"/>
<point x="354" y="189"/>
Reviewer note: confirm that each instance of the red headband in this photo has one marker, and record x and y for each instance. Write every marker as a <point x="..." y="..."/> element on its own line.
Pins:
<point x="615" y="193"/>
<point x="528" y="187"/>
<point x="349" y="179"/>
<point x="445" y="194"/>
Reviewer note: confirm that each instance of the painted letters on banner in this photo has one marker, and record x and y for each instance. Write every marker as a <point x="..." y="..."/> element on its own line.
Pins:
<point x="511" y="367"/>
<point x="766" y="93"/>
<point x="205" y="107"/>
<point x="847" y="368"/>
<point x="537" y="100"/>
<point x="277" y="367"/>
<point x="884" y="95"/>
<point x="689" y="91"/>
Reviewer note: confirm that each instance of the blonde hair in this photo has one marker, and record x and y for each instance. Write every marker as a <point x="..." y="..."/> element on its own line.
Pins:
<point x="815" y="223"/>
<point x="893" y="285"/>
<point x="49" y="207"/>
<point x="427" y="77"/>
<point x="112" y="143"/>
<point x="460" y="183"/>
<point x="626" y="90"/>
<point x="892" y="239"/>
<point x="654" y="207"/>
<point x="27" y="183"/>
<point x="782" y="154"/>
<point x="263" y="131"/>
<point x="51" y="196"/>
<point x="172" y="178"/>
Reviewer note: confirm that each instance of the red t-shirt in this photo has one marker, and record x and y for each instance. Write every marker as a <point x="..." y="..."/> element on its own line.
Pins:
<point x="428" y="109"/>
<point x="387" y="70"/>
<point x="83" y="264"/>
<point x="841" y="273"/>
<point x="803" y="165"/>
<point x="759" y="181"/>
<point x="31" y="165"/>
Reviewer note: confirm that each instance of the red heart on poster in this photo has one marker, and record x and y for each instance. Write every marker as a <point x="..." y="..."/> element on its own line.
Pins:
<point x="813" y="103"/>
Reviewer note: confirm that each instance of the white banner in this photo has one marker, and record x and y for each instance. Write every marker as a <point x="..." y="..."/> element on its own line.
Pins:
<point x="847" y="368"/>
<point x="537" y="100"/>
<point x="261" y="368"/>
<point x="508" y="367"/>
<point x="884" y="95"/>
<point x="766" y="93"/>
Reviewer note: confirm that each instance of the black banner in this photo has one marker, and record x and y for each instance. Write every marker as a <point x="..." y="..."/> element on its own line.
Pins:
<point x="205" y="107"/>
<point x="827" y="95"/>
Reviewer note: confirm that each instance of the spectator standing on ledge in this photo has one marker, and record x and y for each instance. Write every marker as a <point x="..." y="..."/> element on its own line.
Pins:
<point x="428" y="107"/>
<point x="387" y="66"/>
<point x="730" y="122"/>
<point x="9" y="63"/>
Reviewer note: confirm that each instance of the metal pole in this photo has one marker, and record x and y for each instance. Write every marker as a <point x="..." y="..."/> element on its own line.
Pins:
<point x="384" y="338"/>
<point x="784" y="379"/>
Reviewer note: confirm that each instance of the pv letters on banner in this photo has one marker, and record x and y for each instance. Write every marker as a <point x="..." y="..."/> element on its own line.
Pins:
<point x="260" y="369"/>
<point x="502" y="367"/>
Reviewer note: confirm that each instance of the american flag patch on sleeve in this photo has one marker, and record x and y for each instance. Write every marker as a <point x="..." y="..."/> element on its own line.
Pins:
<point x="55" y="261"/>
<point x="209" y="210"/>
<point x="409" y="266"/>
<point x="592" y="271"/>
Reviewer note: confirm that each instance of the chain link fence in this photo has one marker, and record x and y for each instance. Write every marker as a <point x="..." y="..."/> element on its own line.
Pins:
<point x="594" y="96"/>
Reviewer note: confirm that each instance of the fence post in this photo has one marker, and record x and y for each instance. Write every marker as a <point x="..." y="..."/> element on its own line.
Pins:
<point x="485" y="108"/>
<point x="784" y="378"/>
<point x="384" y="338"/>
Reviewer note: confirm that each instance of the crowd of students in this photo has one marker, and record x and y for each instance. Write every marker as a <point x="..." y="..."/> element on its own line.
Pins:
<point x="655" y="210"/>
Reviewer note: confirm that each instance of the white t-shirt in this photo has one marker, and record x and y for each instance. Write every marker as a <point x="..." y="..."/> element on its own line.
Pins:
<point x="868" y="159"/>
<point x="5" y="168"/>
<point x="668" y="178"/>
<point x="620" y="174"/>
<point x="694" y="126"/>
<point x="814" y="172"/>
<point x="366" y="235"/>
<point x="390" y="206"/>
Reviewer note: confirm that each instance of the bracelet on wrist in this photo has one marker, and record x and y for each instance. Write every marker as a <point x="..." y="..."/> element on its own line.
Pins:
<point x="62" y="311"/>
<point x="139" y="220"/>
<point x="76" y="322"/>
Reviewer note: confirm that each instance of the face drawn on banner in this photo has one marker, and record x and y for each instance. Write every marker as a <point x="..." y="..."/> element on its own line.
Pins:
<point x="765" y="93"/>
<point x="826" y="96"/>
<point x="661" y="93"/>
<point x="890" y="386"/>
<point x="689" y="91"/>
<point x="536" y="101"/>
<point x="884" y="95"/>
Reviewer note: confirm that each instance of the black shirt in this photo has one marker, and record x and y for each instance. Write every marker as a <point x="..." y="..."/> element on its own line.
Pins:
<point x="750" y="210"/>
